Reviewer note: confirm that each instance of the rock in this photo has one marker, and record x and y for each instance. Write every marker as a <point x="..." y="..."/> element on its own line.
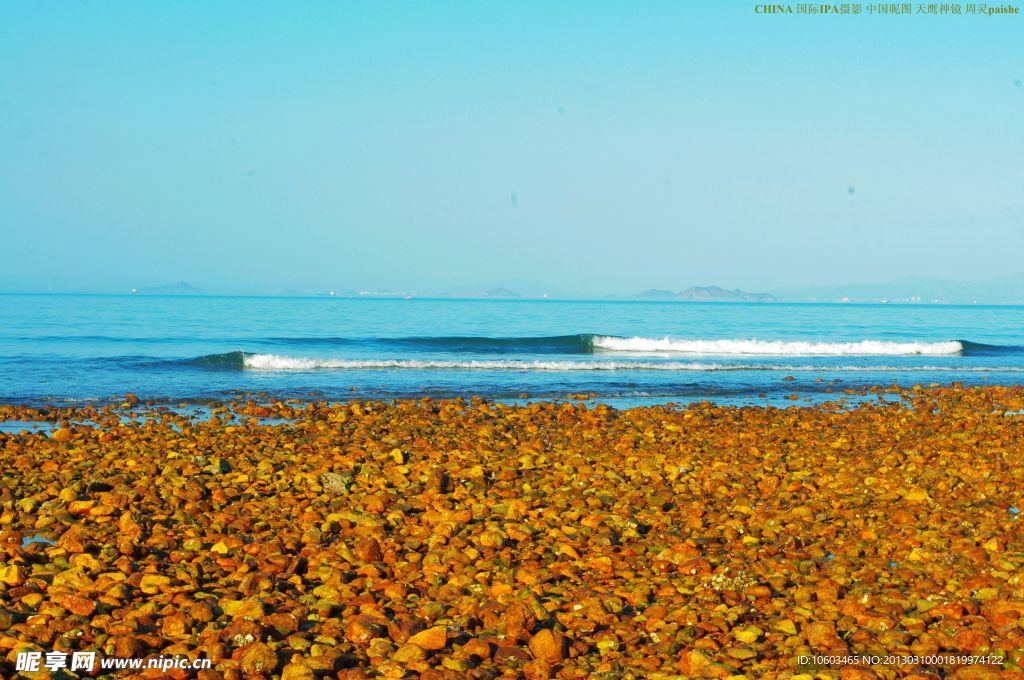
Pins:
<point x="692" y="663"/>
<point x="537" y="670"/>
<point x="248" y="608"/>
<point x="607" y="643"/>
<point x="217" y="466"/>
<point x="785" y="626"/>
<point x="752" y="634"/>
<point x="361" y="631"/>
<point x="492" y="539"/>
<point x="917" y="496"/>
<point x="333" y="483"/>
<point x="151" y="584"/>
<point x="410" y="653"/>
<point x="402" y="628"/>
<point x="518" y="621"/>
<point x="78" y="605"/>
<point x="455" y="664"/>
<point x="437" y="481"/>
<point x="283" y="623"/>
<point x="7" y="619"/>
<point x="432" y="611"/>
<point x="822" y="635"/>
<point x="258" y="659"/>
<point x="13" y="575"/>
<point x="74" y="540"/>
<point x="431" y="638"/>
<point x="548" y="645"/>
<point x="62" y="434"/>
<point x="175" y="626"/>
<point x="380" y="648"/>
<point x="741" y="652"/>
<point x="81" y="507"/>
<point x="200" y="611"/>
<point x="477" y="649"/>
<point x="128" y="647"/>
<point x="128" y="526"/>
<point x="297" y="671"/>
<point x="368" y="550"/>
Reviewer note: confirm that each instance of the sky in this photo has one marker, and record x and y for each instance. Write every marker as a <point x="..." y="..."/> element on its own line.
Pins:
<point x="582" y="148"/>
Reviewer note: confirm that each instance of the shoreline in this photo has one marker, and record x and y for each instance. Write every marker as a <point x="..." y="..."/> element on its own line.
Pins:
<point x="44" y="415"/>
<point x="467" y="538"/>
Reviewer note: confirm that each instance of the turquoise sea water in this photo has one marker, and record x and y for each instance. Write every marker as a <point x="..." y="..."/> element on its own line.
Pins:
<point x="73" y="348"/>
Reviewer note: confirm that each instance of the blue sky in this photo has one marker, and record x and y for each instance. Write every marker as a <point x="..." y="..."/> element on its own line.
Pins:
<point x="582" y="147"/>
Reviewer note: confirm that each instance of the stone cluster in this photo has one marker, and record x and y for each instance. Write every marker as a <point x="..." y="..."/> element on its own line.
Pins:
<point x="468" y="539"/>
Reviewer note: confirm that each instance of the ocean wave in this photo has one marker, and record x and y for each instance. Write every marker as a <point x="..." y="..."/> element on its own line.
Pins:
<point x="572" y="344"/>
<point x="587" y="343"/>
<point x="275" y="362"/>
<point x="552" y="344"/>
<point x="777" y="347"/>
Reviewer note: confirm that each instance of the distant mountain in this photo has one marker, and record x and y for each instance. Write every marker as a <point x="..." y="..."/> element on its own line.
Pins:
<point x="704" y="294"/>
<point x="654" y="294"/>
<point x="716" y="294"/>
<point x="499" y="293"/>
<point x="179" y="288"/>
<point x="1008" y="289"/>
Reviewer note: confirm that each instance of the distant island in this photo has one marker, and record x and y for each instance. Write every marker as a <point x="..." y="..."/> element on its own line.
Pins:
<point x="500" y="293"/>
<point x="179" y="288"/>
<point x="1007" y="289"/>
<point x="704" y="294"/>
<point x="654" y="294"/>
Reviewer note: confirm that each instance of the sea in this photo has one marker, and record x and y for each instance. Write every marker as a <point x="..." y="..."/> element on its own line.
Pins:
<point x="78" y="349"/>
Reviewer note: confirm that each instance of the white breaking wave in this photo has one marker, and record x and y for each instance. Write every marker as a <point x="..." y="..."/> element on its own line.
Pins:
<point x="777" y="347"/>
<point x="274" y="362"/>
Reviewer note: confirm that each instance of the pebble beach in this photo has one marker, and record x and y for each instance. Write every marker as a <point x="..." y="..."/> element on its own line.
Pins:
<point x="474" y="539"/>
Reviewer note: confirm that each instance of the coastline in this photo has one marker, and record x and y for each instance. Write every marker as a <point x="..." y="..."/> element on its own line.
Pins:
<point x="464" y="538"/>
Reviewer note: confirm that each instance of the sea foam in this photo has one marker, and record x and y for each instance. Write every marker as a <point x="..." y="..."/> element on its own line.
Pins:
<point x="777" y="347"/>
<point x="275" y="362"/>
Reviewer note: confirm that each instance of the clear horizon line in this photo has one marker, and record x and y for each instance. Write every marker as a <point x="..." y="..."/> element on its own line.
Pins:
<point x="523" y="298"/>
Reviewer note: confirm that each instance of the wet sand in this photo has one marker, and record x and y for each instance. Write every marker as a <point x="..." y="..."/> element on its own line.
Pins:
<point x="471" y="539"/>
